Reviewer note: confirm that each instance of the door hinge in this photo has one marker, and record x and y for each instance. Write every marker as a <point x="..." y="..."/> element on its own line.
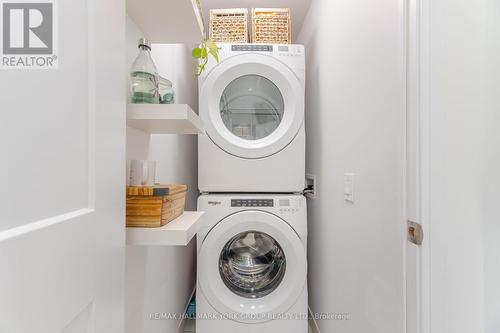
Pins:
<point x="415" y="233"/>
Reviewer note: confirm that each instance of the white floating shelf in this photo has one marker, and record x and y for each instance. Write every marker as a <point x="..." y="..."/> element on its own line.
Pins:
<point x="164" y="119"/>
<point x="179" y="232"/>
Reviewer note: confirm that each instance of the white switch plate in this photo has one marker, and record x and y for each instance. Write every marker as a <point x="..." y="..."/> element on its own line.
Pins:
<point x="349" y="187"/>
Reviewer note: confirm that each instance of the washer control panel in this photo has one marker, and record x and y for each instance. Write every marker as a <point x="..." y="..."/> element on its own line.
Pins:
<point x="252" y="203"/>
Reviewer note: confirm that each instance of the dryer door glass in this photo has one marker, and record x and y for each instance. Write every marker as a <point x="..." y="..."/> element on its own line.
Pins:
<point x="252" y="264"/>
<point x="251" y="107"/>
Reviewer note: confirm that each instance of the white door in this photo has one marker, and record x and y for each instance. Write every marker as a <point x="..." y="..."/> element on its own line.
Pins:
<point x="252" y="263"/>
<point x="62" y="134"/>
<point x="252" y="105"/>
<point x="452" y="278"/>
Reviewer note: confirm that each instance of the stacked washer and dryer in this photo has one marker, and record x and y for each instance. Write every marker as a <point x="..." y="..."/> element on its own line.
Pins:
<point x="252" y="250"/>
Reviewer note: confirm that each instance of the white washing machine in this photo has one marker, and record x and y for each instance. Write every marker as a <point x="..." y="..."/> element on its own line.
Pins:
<point x="252" y="264"/>
<point x="252" y="104"/>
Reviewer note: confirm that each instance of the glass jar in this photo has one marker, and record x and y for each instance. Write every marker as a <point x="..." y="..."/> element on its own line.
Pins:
<point x="166" y="91"/>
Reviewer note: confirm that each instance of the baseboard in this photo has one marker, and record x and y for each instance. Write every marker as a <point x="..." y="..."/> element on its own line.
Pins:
<point x="180" y="328"/>
<point x="313" y="325"/>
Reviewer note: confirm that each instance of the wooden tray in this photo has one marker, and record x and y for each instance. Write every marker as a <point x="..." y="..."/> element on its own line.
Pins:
<point x="154" y="206"/>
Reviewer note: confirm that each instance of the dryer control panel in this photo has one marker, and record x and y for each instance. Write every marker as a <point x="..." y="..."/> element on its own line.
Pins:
<point x="252" y="47"/>
<point x="292" y="55"/>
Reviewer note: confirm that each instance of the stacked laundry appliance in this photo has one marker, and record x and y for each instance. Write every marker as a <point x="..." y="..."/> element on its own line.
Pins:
<point x="252" y="250"/>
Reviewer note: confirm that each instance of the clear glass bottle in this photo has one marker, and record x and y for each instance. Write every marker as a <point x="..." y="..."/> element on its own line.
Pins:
<point x="144" y="77"/>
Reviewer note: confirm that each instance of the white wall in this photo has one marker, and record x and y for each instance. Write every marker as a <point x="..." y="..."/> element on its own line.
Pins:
<point x="161" y="279"/>
<point x="354" y="114"/>
<point x="177" y="155"/>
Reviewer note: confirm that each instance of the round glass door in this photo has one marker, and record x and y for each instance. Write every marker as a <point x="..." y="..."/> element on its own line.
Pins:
<point x="252" y="264"/>
<point x="251" y="107"/>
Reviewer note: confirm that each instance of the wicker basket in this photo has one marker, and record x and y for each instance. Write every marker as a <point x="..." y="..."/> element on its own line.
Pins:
<point x="229" y="25"/>
<point x="271" y="25"/>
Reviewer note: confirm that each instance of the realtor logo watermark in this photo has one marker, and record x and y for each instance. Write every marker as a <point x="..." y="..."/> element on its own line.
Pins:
<point x="28" y="34"/>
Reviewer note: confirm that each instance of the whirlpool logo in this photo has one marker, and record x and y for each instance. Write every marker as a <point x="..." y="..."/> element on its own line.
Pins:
<point x="28" y="34"/>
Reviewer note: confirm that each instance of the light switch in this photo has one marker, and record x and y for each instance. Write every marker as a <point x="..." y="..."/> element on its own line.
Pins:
<point x="349" y="187"/>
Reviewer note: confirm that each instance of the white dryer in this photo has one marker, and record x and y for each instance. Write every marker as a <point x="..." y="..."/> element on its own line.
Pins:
<point x="252" y="104"/>
<point x="252" y="264"/>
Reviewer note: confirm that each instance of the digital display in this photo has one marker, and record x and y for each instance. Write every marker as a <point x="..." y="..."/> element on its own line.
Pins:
<point x="283" y="48"/>
<point x="284" y="202"/>
<point x="250" y="47"/>
<point x="252" y="203"/>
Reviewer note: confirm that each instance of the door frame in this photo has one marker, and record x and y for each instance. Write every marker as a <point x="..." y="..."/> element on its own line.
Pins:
<point x="418" y="154"/>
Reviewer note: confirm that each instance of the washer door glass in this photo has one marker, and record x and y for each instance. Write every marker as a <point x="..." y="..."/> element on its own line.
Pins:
<point x="252" y="107"/>
<point x="252" y="264"/>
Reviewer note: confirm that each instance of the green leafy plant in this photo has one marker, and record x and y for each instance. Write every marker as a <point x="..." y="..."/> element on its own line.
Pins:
<point x="206" y="48"/>
<point x="200" y="55"/>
